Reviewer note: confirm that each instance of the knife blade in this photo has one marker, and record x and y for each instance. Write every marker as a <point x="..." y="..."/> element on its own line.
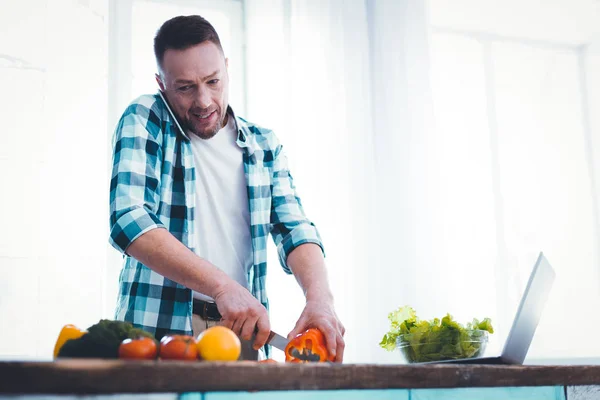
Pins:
<point x="277" y="341"/>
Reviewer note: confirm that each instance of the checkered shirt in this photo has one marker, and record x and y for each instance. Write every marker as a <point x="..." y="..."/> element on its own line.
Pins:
<point x="153" y="184"/>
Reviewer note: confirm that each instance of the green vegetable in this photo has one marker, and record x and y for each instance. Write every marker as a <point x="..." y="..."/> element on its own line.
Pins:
<point x="434" y="340"/>
<point x="102" y="340"/>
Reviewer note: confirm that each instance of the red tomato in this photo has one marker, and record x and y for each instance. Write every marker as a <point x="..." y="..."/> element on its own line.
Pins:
<point x="143" y="348"/>
<point x="178" y="347"/>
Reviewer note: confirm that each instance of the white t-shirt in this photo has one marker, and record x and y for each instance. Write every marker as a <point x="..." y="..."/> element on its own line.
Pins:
<point x="222" y="214"/>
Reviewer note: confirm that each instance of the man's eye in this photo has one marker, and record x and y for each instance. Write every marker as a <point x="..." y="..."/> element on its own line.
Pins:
<point x="213" y="81"/>
<point x="184" y="88"/>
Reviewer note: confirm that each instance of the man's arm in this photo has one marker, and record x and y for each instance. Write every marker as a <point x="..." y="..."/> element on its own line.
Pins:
<point x="308" y="265"/>
<point x="164" y="254"/>
<point x="136" y="230"/>
<point x="300" y="252"/>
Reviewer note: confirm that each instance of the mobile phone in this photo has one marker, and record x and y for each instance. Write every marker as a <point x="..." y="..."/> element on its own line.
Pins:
<point x="164" y="98"/>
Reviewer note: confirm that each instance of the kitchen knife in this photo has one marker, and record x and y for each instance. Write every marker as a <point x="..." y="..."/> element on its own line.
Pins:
<point x="277" y="341"/>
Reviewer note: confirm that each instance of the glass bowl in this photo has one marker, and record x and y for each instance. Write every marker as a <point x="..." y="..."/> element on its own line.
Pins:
<point x="453" y="345"/>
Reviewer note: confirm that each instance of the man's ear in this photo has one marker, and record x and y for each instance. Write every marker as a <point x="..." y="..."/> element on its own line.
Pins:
<point x="226" y="62"/>
<point x="160" y="82"/>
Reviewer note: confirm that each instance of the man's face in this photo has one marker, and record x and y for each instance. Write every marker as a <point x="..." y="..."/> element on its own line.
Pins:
<point x="196" y="83"/>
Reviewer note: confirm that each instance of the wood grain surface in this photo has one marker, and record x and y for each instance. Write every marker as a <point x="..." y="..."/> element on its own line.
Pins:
<point x="116" y="376"/>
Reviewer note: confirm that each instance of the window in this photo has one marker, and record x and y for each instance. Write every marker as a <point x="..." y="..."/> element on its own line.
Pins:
<point x="510" y="109"/>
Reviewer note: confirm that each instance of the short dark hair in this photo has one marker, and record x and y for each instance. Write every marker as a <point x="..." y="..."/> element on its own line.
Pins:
<point x="182" y="32"/>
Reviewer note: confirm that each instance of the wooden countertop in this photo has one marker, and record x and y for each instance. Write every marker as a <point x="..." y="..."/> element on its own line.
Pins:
<point x="117" y="376"/>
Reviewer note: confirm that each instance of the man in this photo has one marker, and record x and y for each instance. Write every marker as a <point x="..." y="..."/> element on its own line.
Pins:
<point x="193" y="198"/>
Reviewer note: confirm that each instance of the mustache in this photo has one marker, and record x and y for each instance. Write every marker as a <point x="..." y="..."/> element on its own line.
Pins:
<point x="203" y="110"/>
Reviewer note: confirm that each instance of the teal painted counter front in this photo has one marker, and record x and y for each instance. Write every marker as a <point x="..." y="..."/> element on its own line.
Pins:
<point x="498" y="393"/>
<point x="502" y="393"/>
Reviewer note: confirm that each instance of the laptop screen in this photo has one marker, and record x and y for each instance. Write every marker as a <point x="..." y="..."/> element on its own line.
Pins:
<point x="529" y="312"/>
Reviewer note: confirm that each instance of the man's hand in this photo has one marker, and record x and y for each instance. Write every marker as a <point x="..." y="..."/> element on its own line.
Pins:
<point x="243" y="313"/>
<point x="320" y="314"/>
<point x="308" y="265"/>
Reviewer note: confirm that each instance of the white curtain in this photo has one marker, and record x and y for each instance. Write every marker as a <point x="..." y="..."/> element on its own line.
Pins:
<point x="406" y="169"/>
<point x="436" y="165"/>
<point x="308" y="77"/>
<point x="353" y="118"/>
<point x="515" y="111"/>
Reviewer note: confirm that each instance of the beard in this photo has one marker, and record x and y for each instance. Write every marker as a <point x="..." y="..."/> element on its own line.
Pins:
<point x="201" y="129"/>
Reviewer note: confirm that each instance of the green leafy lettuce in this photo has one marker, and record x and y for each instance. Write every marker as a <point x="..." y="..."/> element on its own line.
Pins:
<point x="434" y="340"/>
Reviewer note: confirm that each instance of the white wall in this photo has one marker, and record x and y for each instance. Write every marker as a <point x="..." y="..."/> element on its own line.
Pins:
<point x="53" y="170"/>
<point x="562" y="21"/>
<point x="591" y="65"/>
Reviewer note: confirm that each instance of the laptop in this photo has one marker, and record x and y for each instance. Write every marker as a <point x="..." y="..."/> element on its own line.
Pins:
<point x="526" y="319"/>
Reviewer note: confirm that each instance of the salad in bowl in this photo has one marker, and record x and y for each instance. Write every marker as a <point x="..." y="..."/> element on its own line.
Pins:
<point x="435" y="340"/>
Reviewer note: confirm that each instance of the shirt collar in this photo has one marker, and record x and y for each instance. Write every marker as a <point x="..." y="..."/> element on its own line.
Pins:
<point x="245" y="139"/>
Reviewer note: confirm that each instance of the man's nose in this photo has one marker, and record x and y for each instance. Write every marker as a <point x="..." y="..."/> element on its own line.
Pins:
<point x="203" y="99"/>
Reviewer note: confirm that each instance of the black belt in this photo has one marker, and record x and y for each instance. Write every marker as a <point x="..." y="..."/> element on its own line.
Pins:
<point x="206" y="310"/>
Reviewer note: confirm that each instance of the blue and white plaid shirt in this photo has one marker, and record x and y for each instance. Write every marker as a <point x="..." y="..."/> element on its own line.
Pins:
<point x="153" y="185"/>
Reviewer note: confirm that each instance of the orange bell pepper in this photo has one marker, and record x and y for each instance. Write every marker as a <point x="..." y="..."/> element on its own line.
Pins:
<point x="309" y="346"/>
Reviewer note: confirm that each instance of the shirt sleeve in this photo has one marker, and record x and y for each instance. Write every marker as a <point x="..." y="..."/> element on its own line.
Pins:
<point x="290" y="227"/>
<point x="135" y="179"/>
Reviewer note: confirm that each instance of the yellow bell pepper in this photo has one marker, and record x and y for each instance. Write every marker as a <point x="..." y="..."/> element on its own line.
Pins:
<point x="66" y="333"/>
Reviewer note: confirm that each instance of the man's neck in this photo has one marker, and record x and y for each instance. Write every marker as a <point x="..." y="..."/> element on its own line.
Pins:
<point x="225" y="120"/>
